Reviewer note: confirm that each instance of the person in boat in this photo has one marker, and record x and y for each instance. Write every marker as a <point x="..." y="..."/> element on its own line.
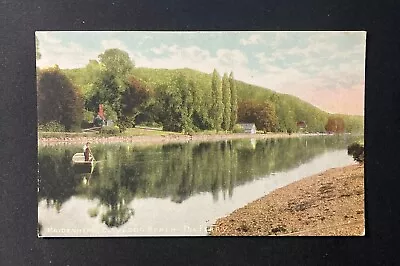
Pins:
<point x="86" y="151"/>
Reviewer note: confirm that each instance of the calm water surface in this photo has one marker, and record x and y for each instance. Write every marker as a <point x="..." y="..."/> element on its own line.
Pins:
<point x="172" y="189"/>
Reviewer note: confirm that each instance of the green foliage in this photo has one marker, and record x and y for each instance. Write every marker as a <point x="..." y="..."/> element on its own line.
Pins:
<point x="98" y="121"/>
<point x="267" y="119"/>
<point x="56" y="173"/>
<point x="262" y="114"/>
<point x="179" y="106"/>
<point x="88" y="116"/>
<point x="172" y="112"/>
<point x="238" y="129"/>
<point x="58" y="99"/>
<point x="226" y="100"/>
<point x="52" y="126"/>
<point x="234" y="101"/>
<point x="217" y="104"/>
<point x="109" y="112"/>
<point x="151" y="124"/>
<point x="285" y="114"/>
<point x="109" y="87"/>
<point x="85" y="77"/>
<point x="289" y="109"/>
<point x="116" y="62"/>
<point x="186" y="90"/>
<point x="106" y="130"/>
<point x="353" y="123"/>
<point x="107" y="92"/>
<point x="356" y="149"/>
<point x="135" y="98"/>
<point x="87" y="119"/>
<point x="114" y="82"/>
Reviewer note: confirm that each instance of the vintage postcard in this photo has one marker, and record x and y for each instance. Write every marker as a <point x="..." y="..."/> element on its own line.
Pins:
<point x="236" y="133"/>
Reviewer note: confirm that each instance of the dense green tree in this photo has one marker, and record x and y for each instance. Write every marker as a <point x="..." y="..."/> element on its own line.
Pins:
<point x="127" y="99"/>
<point x="106" y="84"/>
<point x="285" y="113"/>
<point x="109" y="112"/>
<point x="245" y="112"/>
<point x="199" y="111"/>
<point x="117" y="62"/>
<point x="262" y="114"/>
<point x="276" y="100"/>
<point x="170" y="107"/>
<point x="176" y="104"/>
<point x="106" y="91"/>
<point x="267" y="118"/>
<point x="234" y="101"/>
<point x="86" y="77"/>
<point x="135" y="98"/>
<point x="59" y="99"/>
<point x="217" y="107"/>
<point x="354" y="124"/>
<point x="226" y="100"/>
<point x="187" y="89"/>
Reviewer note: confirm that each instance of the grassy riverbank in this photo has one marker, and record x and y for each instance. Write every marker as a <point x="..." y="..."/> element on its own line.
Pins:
<point x="327" y="204"/>
<point x="130" y="132"/>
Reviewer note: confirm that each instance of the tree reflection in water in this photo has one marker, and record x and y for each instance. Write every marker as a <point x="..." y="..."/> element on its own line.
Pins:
<point x="174" y="171"/>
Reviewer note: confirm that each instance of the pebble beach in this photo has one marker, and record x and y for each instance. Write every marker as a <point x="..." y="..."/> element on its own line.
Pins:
<point x="327" y="204"/>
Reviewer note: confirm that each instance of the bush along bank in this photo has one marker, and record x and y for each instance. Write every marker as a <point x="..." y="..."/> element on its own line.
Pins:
<point x="356" y="150"/>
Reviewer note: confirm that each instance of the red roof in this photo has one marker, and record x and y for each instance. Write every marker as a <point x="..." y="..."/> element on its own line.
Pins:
<point x="101" y="111"/>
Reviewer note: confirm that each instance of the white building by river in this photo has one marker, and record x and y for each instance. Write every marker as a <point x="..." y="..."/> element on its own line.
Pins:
<point x="248" y="128"/>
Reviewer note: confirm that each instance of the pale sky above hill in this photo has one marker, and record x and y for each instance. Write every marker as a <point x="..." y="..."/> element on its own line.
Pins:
<point x="323" y="68"/>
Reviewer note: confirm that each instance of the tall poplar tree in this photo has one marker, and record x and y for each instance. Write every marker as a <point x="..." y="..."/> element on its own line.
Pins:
<point x="186" y="89"/>
<point x="226" y="99"/>
<point x="217" y="108"/>
<point x="234" y="104"/>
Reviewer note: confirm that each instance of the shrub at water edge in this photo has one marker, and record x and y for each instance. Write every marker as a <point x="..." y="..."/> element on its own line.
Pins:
<point x="356" y="149"/>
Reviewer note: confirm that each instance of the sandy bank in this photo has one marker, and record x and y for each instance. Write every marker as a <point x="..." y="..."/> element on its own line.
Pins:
<point x="330" y="203"/>
<point x="165" y="138"/>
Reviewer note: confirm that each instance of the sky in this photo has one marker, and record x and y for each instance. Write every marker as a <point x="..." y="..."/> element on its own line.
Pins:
<point x="326" y="69"/>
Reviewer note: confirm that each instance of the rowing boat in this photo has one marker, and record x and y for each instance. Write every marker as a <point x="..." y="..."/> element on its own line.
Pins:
<point x="81" y="165"/>
<point x="79" y="158"/>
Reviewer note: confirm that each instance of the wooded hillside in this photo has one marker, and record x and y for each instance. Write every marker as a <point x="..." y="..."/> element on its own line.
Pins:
<point x="181" y="100"/>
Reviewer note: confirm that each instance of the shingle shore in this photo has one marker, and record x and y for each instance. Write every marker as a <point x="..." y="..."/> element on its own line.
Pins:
<point x="327" y="204"/>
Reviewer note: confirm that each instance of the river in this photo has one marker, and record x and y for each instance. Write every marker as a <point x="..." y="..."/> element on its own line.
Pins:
<point x="171" y="189"/>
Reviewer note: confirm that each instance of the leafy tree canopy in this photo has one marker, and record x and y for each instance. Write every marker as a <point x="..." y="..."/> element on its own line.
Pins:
<point x="59" y="99"/>
<point x="116" y="61"/>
